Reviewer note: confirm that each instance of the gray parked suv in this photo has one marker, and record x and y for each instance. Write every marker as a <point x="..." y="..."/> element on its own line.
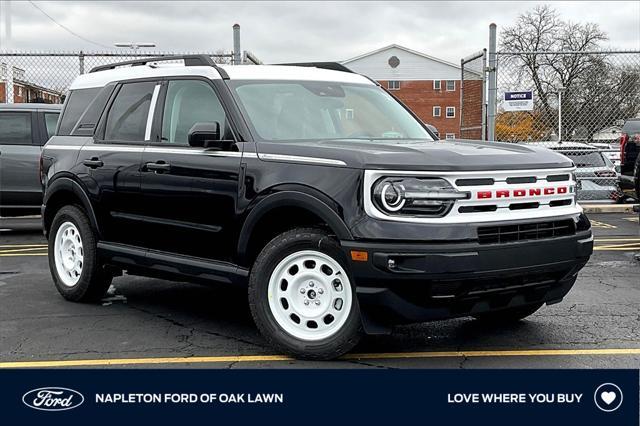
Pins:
<point x="24" y="129"/>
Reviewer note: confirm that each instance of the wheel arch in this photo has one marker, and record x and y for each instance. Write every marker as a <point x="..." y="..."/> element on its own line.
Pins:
<point x="64" y="191"/>
<point x="294" y="201"/>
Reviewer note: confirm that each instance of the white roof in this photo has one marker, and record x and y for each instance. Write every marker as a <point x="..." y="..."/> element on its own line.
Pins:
<point x="413" y="65"/>
<point x="235" y="72"/>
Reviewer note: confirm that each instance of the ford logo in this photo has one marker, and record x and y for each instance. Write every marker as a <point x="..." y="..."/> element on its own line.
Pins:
<point x="52" y="399"/>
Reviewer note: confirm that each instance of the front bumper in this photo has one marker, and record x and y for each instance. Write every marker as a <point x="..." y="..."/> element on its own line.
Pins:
<point x="409" y="282"/>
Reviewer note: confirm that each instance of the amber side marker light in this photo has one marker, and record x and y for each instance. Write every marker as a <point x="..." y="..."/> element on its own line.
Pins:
<point x="359" y="256"/>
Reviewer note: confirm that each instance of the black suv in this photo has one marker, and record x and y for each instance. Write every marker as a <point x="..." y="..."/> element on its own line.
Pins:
<point x="312" y="186"/>
<point x="629" y="158"/>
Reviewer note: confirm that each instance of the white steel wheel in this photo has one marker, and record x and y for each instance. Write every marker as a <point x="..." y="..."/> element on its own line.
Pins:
<point x="310" y="295"/>
<point x="68" y="254"/>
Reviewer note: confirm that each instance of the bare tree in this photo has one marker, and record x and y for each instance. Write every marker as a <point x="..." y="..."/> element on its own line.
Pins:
<point x="542" y="30"/>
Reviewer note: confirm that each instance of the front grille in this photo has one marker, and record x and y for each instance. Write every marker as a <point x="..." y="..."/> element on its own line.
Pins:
<point x="525" y="231"/>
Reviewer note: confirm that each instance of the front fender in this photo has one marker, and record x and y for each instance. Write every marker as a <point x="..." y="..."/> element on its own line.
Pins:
<point x="292" y="198"/>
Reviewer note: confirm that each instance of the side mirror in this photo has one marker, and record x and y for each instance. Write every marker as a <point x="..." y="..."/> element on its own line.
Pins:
<point x="205" y="134"/>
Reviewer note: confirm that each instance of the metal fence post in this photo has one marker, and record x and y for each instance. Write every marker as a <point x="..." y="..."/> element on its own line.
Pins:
<point x="484" y="95"/>
<point x="81" y="60"/>
<point x="493" y="89"/>
<point x="461" y="112"/>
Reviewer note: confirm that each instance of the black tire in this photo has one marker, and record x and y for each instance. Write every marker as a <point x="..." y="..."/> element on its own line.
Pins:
<point x="508" y="315"/>
<point x="271" y="255"/>
<point x="93" y="281"/>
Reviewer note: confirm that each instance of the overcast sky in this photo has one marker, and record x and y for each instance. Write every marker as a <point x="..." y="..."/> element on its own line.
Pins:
<point x="296" y="31"/>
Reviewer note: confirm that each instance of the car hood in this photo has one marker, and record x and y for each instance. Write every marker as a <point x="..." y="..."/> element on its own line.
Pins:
<point x="443" y="155"/>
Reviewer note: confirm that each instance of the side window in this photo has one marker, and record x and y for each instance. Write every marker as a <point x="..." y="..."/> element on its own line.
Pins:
<point x="189" y="102"/>
<point x="15" y="128"/>
<point x="76" y="103"/>
<point x="51" y="121"/>
<point x="127" y="118"/>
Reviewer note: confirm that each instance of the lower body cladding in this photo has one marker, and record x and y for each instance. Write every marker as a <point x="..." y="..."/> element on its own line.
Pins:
<point x="412" y="282"/>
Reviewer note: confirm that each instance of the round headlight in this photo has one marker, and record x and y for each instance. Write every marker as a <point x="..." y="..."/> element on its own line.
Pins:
<point x="391" y="196"/>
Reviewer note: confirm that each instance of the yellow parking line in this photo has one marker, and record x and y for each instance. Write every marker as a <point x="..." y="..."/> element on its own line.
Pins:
<point x="22" y="250"/>
<point x="603" y="225"/>
<point x="619" y="245"/>
<point x="3" y="246"/>
<point x="617" y="248"/>
<point x="616" y="239"/>
<point x="364" y="356"/>
<point x="22" y="254"/>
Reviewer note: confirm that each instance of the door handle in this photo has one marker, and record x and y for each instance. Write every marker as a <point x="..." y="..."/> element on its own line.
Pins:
<point x="93" y="163"/>
<point x="158" y="167"/>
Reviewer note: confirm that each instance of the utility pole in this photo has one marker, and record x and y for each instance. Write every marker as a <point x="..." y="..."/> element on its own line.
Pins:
<point x="237" y="60"/>
<point x="134" y="45"/>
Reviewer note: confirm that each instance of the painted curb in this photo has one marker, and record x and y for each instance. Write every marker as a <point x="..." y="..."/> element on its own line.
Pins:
<point x="607" y="208"/>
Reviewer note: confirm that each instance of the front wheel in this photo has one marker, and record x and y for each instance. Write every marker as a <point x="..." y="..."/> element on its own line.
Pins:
<point x="302" y="297"/>
<point x="73" y="257"/>
<point x="508" y="315"/>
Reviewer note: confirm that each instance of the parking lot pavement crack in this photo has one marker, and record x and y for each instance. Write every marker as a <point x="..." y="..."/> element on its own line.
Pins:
<point x="195" y="329"/>
<point x="463" y="361"/>
<point x="370" y="364"/>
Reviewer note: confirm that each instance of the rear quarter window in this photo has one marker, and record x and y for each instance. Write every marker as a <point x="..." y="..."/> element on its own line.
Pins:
<point x="75" y="105"/>
<point x="631" y="127"/>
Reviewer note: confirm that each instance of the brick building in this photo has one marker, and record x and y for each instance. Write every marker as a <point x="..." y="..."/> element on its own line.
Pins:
<point x="429" y="86"/>
<point x="23" y="90"/>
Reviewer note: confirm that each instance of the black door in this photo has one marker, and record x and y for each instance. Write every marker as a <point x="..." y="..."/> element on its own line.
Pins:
<point x="112" y="163"/>
<point x="190" y="192"/>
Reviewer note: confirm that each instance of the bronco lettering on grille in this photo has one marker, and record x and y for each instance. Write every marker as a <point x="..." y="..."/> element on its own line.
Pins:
<point x="516" y="193"/>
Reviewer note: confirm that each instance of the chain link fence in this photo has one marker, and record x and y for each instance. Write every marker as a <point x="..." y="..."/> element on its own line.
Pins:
<point x="472" y="96"/>
<point x="573" y="102"/>
<point x="27" y="77"/>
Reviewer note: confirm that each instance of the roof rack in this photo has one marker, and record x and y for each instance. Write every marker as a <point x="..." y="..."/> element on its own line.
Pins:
<point x="189" y="61"/>
<point x="335" y="66"/>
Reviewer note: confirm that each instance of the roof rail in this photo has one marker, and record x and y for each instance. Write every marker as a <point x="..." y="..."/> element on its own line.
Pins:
<point x="335" y="66"/>
<point x="189" y="61"/>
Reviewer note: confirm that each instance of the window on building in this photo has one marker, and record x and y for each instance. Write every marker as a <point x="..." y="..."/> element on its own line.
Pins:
<point x="451" y="112"/>
<point x="437" y="85"/>
<point x="450" y="136"/>
<point x="15" y="128"/>
<point x="451" y="85"/>
<point x="437" y="111"/>
<point x="127" y="119"/>
<point x="349" y="114"/>
<point x="393" y="85"/>
<point x="189" y="102"/>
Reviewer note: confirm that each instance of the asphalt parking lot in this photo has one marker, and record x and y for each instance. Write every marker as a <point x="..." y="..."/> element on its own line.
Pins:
<point x="154" y="323"/>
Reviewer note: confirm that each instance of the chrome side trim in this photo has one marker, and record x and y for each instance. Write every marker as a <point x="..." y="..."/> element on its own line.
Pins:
<point x="152" y="109"/>
<point x="184" y="150"/>
<point x="300" y="159"/>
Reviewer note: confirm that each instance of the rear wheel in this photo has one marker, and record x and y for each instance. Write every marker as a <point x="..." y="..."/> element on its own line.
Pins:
<point x="508" y="315"/>
<point x="73" y="259"/>
<point x="302" y="297"/>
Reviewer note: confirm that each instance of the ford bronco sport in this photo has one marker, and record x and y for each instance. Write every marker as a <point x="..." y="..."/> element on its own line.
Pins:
<point x="312" y="186"/>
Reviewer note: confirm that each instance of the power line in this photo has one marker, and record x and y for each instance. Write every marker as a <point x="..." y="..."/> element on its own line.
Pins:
<point x="67" y="29"/>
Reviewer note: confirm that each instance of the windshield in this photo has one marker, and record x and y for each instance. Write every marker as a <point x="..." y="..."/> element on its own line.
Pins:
<point x="304" y="110"/>
<point x="586" y="158"/>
